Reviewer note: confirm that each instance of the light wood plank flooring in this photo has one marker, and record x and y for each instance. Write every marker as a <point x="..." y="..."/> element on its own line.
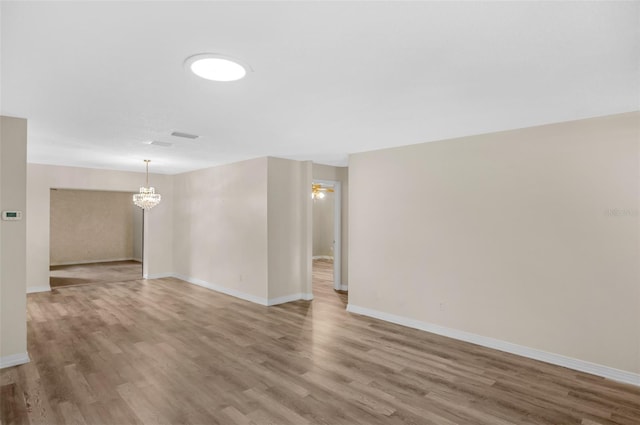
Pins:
<point x="167" y="352"/>
<point x="84" y="274"/>
<point x="323" y="283"/>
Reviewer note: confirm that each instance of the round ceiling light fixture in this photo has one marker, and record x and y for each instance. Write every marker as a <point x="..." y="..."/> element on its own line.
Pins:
<point x="214" y="67"/>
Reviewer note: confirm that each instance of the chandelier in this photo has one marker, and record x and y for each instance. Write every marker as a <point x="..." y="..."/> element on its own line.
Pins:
<point x="147" y="198"/>
<point x="318" y="191"/>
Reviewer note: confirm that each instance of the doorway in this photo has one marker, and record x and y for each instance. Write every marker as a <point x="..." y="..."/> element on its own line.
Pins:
<point x="95" y="237"/>
<point x="326" y="233"/>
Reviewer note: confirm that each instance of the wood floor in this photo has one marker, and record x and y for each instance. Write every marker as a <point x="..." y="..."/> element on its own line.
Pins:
<point x="167" y="352"/>
<point x="323" y="283"/>
<point x="84" y="274"/>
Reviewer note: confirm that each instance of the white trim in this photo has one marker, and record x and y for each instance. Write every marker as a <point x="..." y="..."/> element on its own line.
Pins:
<point x="14" y="360"/>
<point x="223" y="289"/>
<point x="34" y="289"/>
<point x="158" y="275"/>
<point x="242" y="295"/>
<point x="337" y="236"/>
<point x="285" y="299"/>
<point x="322" y="257"/>
<point x="521" y="350"/>
<point x="306" y="283"/>
<point x="344" y="287"/>
<point x="73" y="263"/>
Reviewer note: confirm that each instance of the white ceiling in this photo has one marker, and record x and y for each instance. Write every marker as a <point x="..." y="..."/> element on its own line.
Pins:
<point x="98" y="79"/>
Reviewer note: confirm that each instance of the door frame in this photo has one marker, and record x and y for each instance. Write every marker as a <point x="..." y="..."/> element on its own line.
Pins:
<point x="337" y="230"/>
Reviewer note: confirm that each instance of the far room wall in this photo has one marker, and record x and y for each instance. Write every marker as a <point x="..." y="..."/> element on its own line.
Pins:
<point x="323" y="223"/>
<point x="94" y="226"/>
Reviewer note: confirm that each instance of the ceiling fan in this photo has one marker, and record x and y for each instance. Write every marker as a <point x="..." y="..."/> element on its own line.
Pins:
<point x="318" y="191"/>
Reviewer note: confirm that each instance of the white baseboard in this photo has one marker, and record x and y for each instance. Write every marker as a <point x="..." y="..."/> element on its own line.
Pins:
<point x="285" y="299"/>
<point x="14" y="360"/>
<point x="322" y="257"/>
<point x="158" y="275"/>
<point x="532" y="353"/>
<point x="242" y="295"/>
<point x="344" y="287"/>
<point x="72" y="263"/>
<point x="223" y="289"/>
<point x="34" y="289"/>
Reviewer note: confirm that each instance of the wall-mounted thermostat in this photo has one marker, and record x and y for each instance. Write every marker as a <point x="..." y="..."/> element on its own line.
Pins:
<point x="12" y="215"/>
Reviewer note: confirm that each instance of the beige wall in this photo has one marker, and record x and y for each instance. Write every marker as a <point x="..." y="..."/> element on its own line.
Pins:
<point x="89" y="226"/>
<point x="528" y="236"/>
<point x="323" y="225"/>
<point x="289" y="232"/>
<point x="158" y="246"/>
<point x="341" y="174"/>
<point x="13" y="178"/>
<point x="220" y="228"/>
<point x="239" y="229"/>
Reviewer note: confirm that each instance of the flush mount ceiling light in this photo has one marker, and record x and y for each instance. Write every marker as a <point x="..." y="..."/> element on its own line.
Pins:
<point x="211" y="66"/>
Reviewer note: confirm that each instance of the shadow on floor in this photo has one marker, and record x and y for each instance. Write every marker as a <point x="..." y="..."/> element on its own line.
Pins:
<point x="93" y="273"/>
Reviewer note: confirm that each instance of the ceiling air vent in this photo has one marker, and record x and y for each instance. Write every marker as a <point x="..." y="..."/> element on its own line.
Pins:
<point x="185" y="135"/>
